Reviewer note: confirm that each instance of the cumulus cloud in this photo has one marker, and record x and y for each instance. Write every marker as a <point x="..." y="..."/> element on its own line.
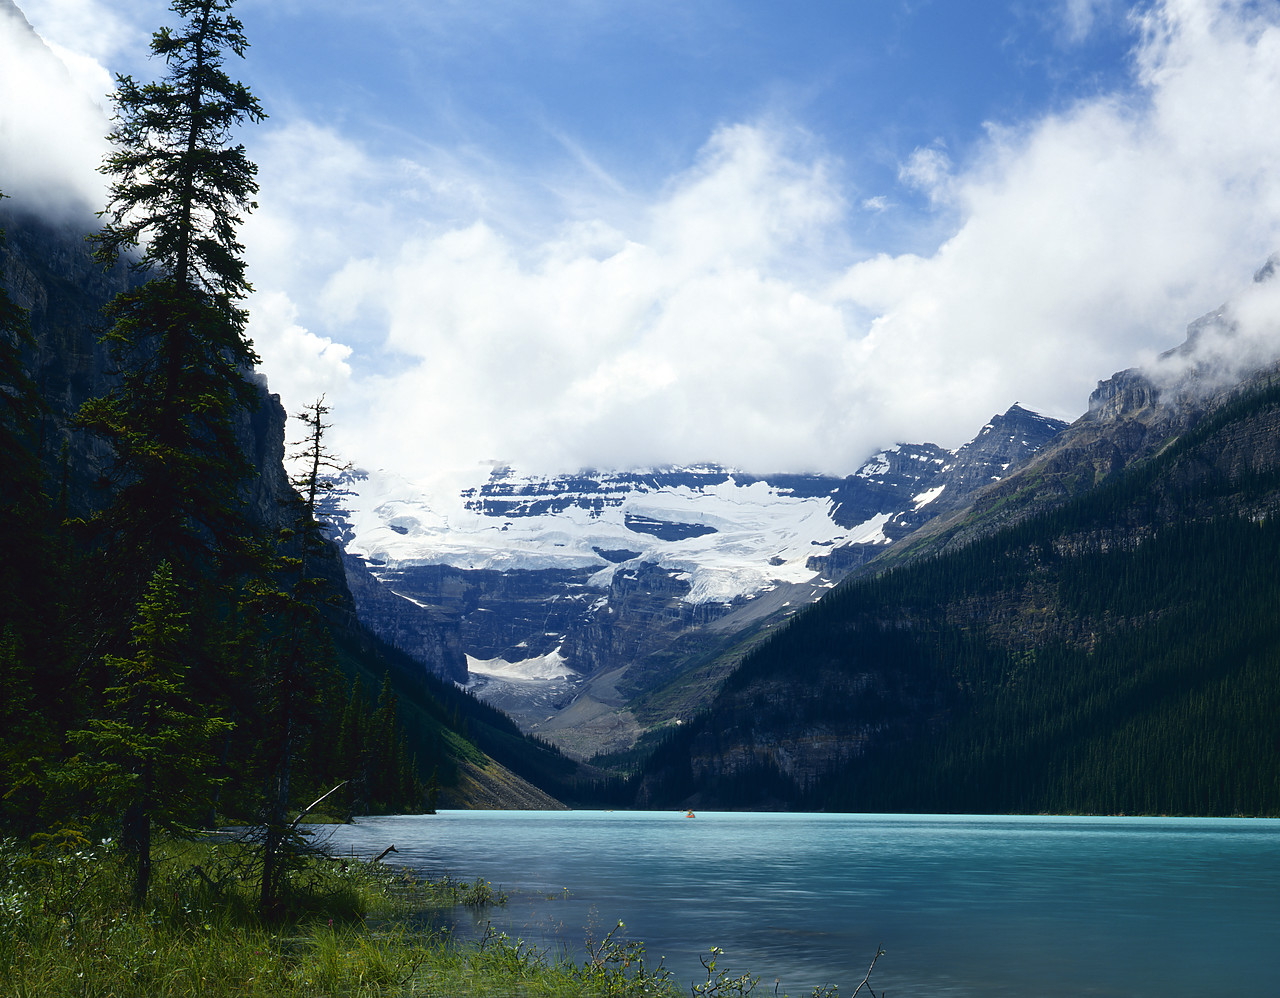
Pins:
<point x="1086" y="240"/>
<point x="722" y="325"/>
<point x="694" y="336"/>
<point x="51" y="127"/>
<point x="309" y="365"/>
<point x="726" y="316"/>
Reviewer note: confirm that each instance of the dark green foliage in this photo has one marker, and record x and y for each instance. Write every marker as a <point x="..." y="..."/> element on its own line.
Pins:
<point x="172" y="513"/>
<point x="150" y="758"/>
<point x="178" y="340"/>
<point x="381" y="771"/>
<point x="180" y="182"/>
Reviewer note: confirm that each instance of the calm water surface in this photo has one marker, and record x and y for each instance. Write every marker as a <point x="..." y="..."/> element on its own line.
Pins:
<point x="981" y="906"/>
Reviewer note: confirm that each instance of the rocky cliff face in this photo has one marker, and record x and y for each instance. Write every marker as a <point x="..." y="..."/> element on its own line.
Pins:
<point x="429" y="635"/>
<point x="945" y="482"/>
<point x="50" y="271"/>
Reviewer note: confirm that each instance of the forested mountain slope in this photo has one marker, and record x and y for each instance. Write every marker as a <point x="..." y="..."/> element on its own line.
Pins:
<point x="444" y="739"/>
<point x="1098" y="634"/>
<point x="597" y="607"/>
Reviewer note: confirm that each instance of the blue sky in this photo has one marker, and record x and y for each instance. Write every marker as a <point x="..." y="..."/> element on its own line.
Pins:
<point x="627" y="94"/>
<point x="639" y="87"/>
<point x="772" y="236"/>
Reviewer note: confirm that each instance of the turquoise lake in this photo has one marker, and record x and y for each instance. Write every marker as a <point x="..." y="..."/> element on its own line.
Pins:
<point x="981" y="906"/>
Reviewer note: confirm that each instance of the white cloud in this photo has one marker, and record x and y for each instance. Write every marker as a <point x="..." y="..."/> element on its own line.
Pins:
<point x="1226" y="345"/>
<point x="51" y="130"/>
<point x="1086" y="240"/>
<point x="305" y="365"/>
<point x="1080" y="16"/>
<point x="107" y="33"/>
<point x="927" y="170"/>
<point x="725" y="317"/>
<point x="691" y="337"/>
<point x="717" y="327"/>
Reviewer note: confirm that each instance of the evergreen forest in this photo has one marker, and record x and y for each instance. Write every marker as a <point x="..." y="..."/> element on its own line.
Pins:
<point x="1119" y="654"/>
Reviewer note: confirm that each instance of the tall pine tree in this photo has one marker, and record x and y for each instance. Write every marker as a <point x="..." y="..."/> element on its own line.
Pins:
<point x="150" y="758"/>
<point x="178" y="340"/>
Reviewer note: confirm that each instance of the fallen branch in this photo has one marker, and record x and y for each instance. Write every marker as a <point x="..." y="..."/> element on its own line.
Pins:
<point x="865" y="980"/>
<point x="390" y="848"/>
<point x="205" y="877"/>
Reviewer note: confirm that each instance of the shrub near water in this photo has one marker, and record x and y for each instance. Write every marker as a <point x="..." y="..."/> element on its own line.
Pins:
<point x="67" y="927"/>
<point x="68" y="930"/>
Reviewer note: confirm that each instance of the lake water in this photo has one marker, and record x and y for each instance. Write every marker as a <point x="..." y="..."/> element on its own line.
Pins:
<point x="980" y="906"/>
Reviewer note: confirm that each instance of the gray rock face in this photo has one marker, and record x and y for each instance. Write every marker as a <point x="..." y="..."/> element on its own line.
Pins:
<point x="428" y="634"/>
<point x="49" y="270"/>
<point x="950" y="482"/>
<point x="1120" y="395"/>
<point x="1003" y="444"/>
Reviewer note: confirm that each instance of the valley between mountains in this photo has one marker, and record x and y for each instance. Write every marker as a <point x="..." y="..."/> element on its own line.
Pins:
<point x="596" y="607"/>
<point x="1053" y="617"/>
<point x="1067" y="618"/>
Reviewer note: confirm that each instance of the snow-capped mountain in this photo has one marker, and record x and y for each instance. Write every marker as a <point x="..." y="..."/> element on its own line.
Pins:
<point x="547" y="584"/>
<point x="724" y="534"/>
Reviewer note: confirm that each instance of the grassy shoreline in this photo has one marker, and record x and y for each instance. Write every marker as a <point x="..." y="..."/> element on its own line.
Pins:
<point x="67" y="928"/>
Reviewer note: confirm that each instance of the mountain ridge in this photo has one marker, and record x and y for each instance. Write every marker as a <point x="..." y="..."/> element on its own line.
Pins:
<point x="549" y="583"/>
<point x="1093" y="634"/>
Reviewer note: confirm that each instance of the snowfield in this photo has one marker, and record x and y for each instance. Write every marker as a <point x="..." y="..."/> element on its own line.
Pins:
<point x="553" y="665"/>
<point x="727" y="539"/>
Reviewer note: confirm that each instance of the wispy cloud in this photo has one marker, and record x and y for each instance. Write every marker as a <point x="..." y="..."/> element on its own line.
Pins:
<point x="1080" y="16"/>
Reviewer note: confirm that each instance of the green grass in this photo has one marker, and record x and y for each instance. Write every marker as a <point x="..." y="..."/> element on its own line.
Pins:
<point x="67" y="930"/>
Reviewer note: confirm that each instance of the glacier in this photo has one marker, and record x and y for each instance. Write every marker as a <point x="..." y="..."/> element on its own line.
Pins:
<point x="754" y="534"/>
